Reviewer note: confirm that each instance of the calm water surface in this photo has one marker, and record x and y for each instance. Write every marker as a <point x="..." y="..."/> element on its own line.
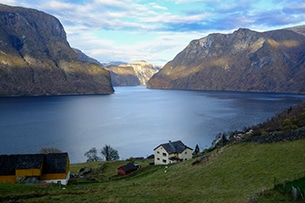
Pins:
<point x="134" y="120"/>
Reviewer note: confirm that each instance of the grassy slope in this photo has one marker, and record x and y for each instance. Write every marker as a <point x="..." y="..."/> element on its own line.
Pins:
<point x="231" y="175"/>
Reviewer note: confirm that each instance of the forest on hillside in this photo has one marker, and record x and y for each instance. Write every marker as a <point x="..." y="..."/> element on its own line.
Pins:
<point x="290" y="119"/>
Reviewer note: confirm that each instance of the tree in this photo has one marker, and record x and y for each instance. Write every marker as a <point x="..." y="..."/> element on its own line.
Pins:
<point x="92" y="155"/>
<point x="47" y="150"/>
<point x="197" y="150"/>
<point x="109" y="153"/>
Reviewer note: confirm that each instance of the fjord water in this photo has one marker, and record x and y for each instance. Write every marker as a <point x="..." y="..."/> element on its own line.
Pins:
<point x="134" y="120"/>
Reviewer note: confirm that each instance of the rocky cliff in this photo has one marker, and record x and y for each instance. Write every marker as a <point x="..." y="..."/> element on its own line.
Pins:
<point x="36" y="59"/>
<point x="244" y="60"/>
<point x="132" y="74"/>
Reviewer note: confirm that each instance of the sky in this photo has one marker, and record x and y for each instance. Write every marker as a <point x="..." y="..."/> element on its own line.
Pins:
<point x="156" y="31"/>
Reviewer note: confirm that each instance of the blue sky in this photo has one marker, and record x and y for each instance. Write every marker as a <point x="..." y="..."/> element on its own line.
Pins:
<point x="155" y="31"/>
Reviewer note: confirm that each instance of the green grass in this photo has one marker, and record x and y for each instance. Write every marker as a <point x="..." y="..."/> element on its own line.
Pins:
<point x="232" y="174"/>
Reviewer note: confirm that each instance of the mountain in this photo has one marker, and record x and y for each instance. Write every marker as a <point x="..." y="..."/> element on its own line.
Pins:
<point x="125" y="74"/>
<point x="244" y="60"/>
<point x="86" y="58"/>
<point x="299" y="29"/>
<point x="132" y="74"/>
<point x="36" y="59"/>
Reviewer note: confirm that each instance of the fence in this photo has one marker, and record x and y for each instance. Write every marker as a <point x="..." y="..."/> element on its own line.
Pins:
<point x="294" y="187"/>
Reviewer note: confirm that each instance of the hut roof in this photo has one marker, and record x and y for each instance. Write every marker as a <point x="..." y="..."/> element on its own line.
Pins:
<point x="27" y="161"/>
<point x="55" y="163"/>
<point x="174" y="147"/>
<point x="130" y="167"/>
<point x="8" y="164"/>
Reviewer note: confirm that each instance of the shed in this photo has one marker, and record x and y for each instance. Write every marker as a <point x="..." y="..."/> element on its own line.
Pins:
<point x="127" y="169"/>
<point x="53" y="167"/>
<point x="56" y="168"/>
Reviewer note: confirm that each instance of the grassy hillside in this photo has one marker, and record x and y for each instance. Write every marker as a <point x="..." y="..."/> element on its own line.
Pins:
<point x="231" y="174"/>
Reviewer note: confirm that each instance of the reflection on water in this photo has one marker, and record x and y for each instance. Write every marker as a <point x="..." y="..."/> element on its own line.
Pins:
<point x="134" y="120"/>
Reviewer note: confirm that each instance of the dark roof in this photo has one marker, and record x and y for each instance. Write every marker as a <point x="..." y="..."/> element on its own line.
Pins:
<point x="8" y="164"/>
<point x="129" y="167"/>
<point x="174" y="147"/>
<point x="26" y="161"/>
<point x="55" y="163"/>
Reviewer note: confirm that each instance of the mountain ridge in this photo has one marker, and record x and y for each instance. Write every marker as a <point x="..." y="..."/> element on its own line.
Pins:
<point x="244" y="60"/>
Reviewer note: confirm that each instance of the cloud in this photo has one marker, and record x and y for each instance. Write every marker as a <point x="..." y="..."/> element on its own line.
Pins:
<point x="188" y="16"/>
<point x="157" y="30"/>
<point x="109" y="14"/>
<point x="8" y="2"/>
<point x="295" y="9"/>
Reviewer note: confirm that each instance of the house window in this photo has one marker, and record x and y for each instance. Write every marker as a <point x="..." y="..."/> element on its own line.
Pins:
<point x="164" y="154"/>
<point x="158" y="158"/>
<point x="158" y="152"/>
<point x="164" y="161"/>
<point x="185" y="152"/>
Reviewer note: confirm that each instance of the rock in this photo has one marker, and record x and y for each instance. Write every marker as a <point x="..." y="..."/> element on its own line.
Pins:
<point x="84" y="171"/>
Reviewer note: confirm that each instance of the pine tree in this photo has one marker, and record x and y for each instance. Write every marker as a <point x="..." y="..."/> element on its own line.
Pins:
<point x="197" y="150"/>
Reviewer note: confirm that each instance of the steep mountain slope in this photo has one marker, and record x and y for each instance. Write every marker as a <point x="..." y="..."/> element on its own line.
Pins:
<point x="86" y="58"/>
<point x="36" y="59"/>
<point x="245" y="60"/>
<point x="134" y="73"/>
<point x="299" y="29"/>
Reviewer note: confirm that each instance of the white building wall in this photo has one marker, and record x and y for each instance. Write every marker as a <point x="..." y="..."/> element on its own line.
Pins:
<point x="61" y="181"/>
<point x="161" y="156"/>
<point x="187" y="154"/>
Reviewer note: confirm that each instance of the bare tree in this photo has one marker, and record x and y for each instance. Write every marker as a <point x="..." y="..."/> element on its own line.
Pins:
<point x="109" y="153"/>
<point x="92" y="155"/>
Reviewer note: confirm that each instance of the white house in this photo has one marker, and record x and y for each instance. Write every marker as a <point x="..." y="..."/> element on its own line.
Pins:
<point x="172" y="152"/>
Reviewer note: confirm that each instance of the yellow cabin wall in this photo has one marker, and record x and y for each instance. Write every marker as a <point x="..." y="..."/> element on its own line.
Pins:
<point x="8" y="179"/>
<point x="28" y="172"/>
<point x="67" y="165"/>
<point x="53" y="176"/>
